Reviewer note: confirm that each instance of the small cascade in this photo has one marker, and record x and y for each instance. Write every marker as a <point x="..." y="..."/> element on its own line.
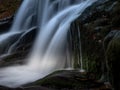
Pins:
<point x="53" y="19"/>
<point x="75" y="36"/>
<point x="24" y="17"/>
<point x="69" y="54"/>
<point x="80" y="51"/>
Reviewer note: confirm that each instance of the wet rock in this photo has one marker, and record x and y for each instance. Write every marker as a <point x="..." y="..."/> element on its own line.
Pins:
<point x="65" y="80"/>
<point x="95" y="11"/>
<point x="109" y="37"/>
<point x="98" y="24"/>
<point x="95" y="23"/>
<point x="6" y="40"/>
<point x="25" y="88"/>
<point x="71" y="80"/>
<point x="5" y="24"/>
<point x="16" y="58"/>
<point x="113" y="59"/>
<point x="25" y="41"/>
<point x="17" y="47"/>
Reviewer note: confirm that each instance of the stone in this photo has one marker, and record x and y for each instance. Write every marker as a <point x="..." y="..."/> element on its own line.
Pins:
<point x="113" y="60"/>
<point x="71" y="80"/>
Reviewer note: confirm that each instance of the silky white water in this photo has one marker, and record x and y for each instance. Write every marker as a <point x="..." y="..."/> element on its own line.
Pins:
<point x="53" y="18"/>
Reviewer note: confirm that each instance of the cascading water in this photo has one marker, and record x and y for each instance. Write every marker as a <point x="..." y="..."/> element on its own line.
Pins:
<point x="80" y="49"/>
<point x="53" y="18"/>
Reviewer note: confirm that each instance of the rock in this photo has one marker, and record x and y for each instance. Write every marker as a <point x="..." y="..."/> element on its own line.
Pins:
<point x="113" y="59"/>
<point x="18" y="49"/>
<point x="25" y="88"/>
<point x="25" y="41"/>
<point x="65" y="80"/>
<point x="5" y="24"/>
<point x="95" y="11"/>
<point x="109" y="37"/>
<point x="8" y="7"/>
<point x="7" y="40"/>
<point x="96" y="27"/>
<point x="16" y="58"/>
<point x="70" y="80"/>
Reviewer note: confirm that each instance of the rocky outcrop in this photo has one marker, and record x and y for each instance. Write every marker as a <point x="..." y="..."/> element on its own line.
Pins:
<point x="71" y="80"/>
<point x="19" y="48"/>
<point x="98" y="25"/>
<point x="113" y="59"/>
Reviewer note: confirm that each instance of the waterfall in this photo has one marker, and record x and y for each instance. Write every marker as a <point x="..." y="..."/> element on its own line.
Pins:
<point x="80" y="49"/>
<point x="53" y="18"/>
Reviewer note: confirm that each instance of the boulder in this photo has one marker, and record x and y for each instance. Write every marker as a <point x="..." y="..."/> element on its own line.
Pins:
<point x="113" y="60"/>
<point x="18" y="49"/>
<point x="25" y="41"/>
<point x="7" y="39"/>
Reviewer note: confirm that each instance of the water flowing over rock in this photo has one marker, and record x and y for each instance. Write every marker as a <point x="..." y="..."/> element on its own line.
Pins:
<point x="48" y="54"/>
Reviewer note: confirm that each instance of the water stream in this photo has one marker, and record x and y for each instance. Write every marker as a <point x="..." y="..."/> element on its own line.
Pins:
<point x="53" y="18"/>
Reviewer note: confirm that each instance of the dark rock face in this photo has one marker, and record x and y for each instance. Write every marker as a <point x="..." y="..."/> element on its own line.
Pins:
<point x="98" y="24"/>
<point x="5" y="24"/>
<point x="113" y="57"/>
<point x="109" y="37"/>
